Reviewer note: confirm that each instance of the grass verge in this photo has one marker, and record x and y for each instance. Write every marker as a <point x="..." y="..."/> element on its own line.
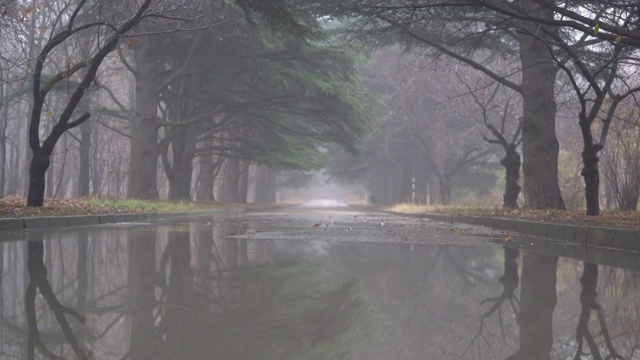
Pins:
<point x="607" y="218"/>
<point x="16" y="207"/>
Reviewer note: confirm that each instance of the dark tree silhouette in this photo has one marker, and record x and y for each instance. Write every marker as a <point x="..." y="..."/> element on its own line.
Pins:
<point x="42" y="86"/>
<point x="589" y="282"/>
<point x="38" y="281"/>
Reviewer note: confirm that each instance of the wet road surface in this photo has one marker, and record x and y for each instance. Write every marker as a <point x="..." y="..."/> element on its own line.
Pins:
<point x="313" y="282"/>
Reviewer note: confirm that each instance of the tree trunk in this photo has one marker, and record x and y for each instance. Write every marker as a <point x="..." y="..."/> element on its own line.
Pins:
<point x="51" y="177"/>
<point x="206" y="177"/>
<point x="205" y="182"/>
<point x="27" y="159"/>
<point x="181" y="168"/>
<point x="444" y="185"/>
<point x="540" y="146"/>
<point x="243" y="183"/>
<point x="180" y="185"/>
<point x="265" y="185"/>
<point x="12" y="181"/>
<point x="591" y="175"/>
<point x="3" y="137"/>
<point x="33" y="49"/>
<point x="143" y="183"/>
<point x="85" y="159"/>
<point x="406" y="182"/>
<point x="37" y="170"/>
<point x="3" y="159"/>
<point x="511" y="163"/>
<point x="590" y="171"/>
<point x="98" y="171"/>
<point x="231" y="179"/>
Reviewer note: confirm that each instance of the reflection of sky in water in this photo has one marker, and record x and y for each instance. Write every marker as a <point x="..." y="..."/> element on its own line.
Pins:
<point x="187" y="291"/>
<point x="320" y="203"/>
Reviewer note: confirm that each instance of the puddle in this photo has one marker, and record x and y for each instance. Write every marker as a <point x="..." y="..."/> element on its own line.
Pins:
<point x="255" y="287"/>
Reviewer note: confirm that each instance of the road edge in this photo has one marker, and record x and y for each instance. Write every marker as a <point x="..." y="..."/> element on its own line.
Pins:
<point x="619" y="239"/>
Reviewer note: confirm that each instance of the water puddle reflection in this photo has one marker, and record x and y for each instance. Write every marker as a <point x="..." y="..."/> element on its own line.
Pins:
<point x="191" y="291"/>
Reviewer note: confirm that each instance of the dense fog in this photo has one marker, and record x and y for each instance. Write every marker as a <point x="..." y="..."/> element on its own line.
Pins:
<point x="482" y="103"/>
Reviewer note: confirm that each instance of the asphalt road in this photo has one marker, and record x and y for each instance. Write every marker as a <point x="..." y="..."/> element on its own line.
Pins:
<point x="329" y="221"/>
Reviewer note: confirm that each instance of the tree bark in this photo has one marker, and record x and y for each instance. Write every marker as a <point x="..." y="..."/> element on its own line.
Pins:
<point x="243" y="183"/>
<point x="3" y="159"/>
<point x="590" y="171"/>
<point x="231" y="179"/>
<point x="143" y="183"/>
<point x="51" y="177"/>
<point x="205" y="183"/>
<point x="14" y="162"/>
<point x="511" y="163"/>
<point x="85" y="160"/>
<point x="181" y="168"/>
<point x="540" y="146"/>
<point x="37" y="171"/>
<point x="3" y="136"/>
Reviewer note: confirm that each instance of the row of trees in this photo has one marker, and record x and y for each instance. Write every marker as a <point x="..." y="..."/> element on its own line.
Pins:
<point x="228" y="84"/>
<point x="182" y="92"/>
<point x="549" y="53"/>
<point x="157" y="296"/>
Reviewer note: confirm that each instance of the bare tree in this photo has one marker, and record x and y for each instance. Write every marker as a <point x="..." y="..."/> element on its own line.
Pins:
<point x="461" y="29"/>
<point x="42" y="86"/>
<point x="505" y="128"/>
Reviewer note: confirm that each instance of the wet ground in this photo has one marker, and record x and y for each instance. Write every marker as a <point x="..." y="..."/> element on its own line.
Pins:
<point x="314" y="282"/>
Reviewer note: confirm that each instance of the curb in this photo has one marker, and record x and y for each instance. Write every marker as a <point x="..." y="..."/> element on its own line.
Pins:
<point x="619" y="239"/>
<point x="61" y="222"/>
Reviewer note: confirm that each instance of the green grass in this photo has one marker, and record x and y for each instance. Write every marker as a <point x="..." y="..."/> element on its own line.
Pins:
<point x="16" y="207"/>
<point x="135" y="205"/>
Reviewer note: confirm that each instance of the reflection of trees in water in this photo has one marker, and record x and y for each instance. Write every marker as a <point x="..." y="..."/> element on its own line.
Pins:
<point x="510" y="281"/>
<point x="193" y="294"/>
<point x="284" y="310"/>
<point x="429" y="295"/>
<point x="150" y="294"/>
<point x="589" y="304"/>
<point x="537" y="301"/>
<point x="619" y="293"/>
<point x="38" y="282"/>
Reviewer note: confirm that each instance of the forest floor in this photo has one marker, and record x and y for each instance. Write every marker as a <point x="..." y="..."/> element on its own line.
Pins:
<point x="607" y="218"/>
<point x="16" y="208"/>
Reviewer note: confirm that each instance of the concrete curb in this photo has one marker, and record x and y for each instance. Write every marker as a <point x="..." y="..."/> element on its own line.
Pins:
<point x="62" y="222"/>
<point x="620" y="239"/>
